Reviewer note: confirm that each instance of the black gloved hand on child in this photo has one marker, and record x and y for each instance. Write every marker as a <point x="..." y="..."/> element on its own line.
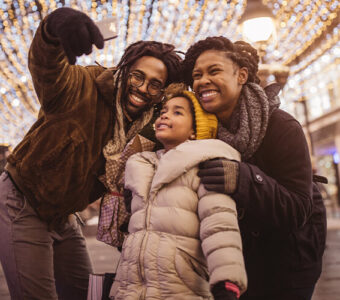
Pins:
<point x="127" y="199"/>
<point x="75" y="30"/>
<point x="219" y="175"/>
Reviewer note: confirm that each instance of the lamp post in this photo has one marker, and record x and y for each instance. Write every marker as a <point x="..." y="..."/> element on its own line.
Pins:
<point x="259" y="27"/>
<point x="303" y="102"/>
<point x="257" y="22"/>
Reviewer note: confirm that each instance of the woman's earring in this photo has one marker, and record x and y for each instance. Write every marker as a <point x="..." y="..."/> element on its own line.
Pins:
<point x="193" y="137"/>
<point x="154" y="127"/>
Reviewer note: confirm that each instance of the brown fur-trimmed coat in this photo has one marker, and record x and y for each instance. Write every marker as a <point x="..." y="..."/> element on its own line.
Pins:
<point x="57" y="163"/>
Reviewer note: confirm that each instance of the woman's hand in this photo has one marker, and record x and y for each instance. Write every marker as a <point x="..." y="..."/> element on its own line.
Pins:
<point x="219" y="175"/>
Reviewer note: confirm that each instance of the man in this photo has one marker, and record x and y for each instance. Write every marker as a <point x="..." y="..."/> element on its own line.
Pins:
<point x="85" y="112"/>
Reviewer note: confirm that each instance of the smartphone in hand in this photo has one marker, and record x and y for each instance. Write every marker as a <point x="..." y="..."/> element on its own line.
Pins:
<point x="108" y="28"/>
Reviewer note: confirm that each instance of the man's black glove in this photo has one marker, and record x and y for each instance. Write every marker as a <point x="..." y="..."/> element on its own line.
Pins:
<point x="219" y="175"/>
<point x="127" y="199"/>
<point x="75" y="30"/>
<point x="221" y="293"/>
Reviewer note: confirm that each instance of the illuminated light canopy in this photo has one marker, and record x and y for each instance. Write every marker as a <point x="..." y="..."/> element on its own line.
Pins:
<point x="181" y="22"/>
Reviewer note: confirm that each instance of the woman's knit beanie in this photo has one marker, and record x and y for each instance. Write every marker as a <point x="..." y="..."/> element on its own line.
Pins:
<point x="205" y="123"/>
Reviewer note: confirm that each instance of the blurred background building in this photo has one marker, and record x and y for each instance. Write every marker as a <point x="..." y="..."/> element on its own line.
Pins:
<point x="298" y="44"/>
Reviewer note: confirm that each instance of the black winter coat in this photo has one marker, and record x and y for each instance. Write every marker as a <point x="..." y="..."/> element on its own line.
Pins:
<point x="281" y="213"/>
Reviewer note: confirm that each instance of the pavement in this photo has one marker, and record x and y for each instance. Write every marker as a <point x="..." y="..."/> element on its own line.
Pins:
<point x="105" y="259"/>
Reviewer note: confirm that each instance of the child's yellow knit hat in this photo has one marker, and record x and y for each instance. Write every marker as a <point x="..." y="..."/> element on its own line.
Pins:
<point x="206" y="123"/>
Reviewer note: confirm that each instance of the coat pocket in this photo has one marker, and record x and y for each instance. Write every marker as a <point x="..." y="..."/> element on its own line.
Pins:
<point x="50" y="144"/>
<point x="52" y="160"/>
<point x="57" y="161"/>
<point x="306" y="247"/>
<point x="192" y="273"/>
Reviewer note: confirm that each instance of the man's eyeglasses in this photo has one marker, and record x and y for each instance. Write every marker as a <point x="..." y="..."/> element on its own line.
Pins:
<point x="154" y="88"/>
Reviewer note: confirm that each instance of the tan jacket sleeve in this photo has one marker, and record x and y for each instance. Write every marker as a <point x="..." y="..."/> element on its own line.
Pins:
<point x="221" y="239"/>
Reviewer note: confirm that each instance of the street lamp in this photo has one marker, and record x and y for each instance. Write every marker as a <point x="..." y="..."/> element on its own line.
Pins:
<point x="257" y="22"/>
<point x="258" y="27"/>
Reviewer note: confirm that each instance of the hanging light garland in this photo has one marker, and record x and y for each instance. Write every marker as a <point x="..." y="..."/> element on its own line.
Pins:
<point x="318" y="83"/>
<point x="180" y="22"/>
<point x="300" y="23"/>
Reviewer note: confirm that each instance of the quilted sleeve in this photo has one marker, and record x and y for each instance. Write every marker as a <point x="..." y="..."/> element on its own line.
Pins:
<point x="221" y="239"/>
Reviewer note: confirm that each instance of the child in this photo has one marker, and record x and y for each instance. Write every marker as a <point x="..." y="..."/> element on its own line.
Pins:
<point x="183" y="242"/>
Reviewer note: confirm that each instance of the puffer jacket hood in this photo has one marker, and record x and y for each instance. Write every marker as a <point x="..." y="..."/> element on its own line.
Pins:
<point x="187" y="155"/>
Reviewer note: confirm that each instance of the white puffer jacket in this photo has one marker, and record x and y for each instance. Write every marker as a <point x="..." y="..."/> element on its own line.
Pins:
<point x="173" y="219"/>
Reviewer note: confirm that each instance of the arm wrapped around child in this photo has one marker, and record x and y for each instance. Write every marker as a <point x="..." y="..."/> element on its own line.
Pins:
<point x="222" y="244"/>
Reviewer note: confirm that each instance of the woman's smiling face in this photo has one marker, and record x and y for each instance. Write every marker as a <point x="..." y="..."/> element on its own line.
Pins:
<point x="175" y="123"/>
<point x="217" y="82"/>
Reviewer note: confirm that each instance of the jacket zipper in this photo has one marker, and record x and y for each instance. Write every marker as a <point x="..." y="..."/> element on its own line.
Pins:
<point x="143" y="245"/>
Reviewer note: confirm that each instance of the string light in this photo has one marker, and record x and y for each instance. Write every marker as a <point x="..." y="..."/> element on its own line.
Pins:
<point x="180" y="22"/>
<point x="318" y="83"/>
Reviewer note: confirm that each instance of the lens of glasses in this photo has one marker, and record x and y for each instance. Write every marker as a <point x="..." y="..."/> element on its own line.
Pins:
<point x="154" y="88"/>
<point x="138" y="79"/>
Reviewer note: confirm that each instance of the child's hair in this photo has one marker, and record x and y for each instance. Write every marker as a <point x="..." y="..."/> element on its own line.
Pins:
<point x="204" y="123"/>
<point x="241" y="53"/>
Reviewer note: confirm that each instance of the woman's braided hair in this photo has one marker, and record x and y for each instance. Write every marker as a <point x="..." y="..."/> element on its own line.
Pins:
<point x="241" y="53"/>
<point x="162" y="51"/>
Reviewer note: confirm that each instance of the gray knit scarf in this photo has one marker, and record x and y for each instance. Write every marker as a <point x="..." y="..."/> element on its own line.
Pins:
<point x="248" y="123"/>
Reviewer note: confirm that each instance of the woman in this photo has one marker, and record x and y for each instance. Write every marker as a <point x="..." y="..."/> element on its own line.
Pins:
<point x="282" y="226"/>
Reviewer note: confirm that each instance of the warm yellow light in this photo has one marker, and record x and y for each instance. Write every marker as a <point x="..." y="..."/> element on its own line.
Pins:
<point x="258" y="29"/>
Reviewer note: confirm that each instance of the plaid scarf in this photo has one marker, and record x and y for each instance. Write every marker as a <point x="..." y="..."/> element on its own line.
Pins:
<point x="113" y="167"/>
<point x="114" y="217"/>
<point x="248" y="123"/>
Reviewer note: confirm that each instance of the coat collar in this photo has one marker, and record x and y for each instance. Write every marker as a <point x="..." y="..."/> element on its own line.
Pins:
<point x="149" y="172"/>
<point x="105" y="84"/>
<point x="188" y="155"/>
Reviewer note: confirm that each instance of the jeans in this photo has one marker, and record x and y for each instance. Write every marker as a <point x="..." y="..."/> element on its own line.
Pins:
<point x="40" y="264"/>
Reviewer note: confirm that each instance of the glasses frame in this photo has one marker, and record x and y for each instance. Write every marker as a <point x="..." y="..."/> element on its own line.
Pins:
<point x="159" y="94"/>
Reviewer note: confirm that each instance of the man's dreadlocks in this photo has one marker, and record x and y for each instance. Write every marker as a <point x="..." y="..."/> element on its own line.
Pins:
<point x="162" y="51"/>
<point x="241" y="53"/>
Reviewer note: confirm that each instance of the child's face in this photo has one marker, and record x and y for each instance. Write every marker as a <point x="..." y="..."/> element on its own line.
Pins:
<point x="174" y="125"/>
